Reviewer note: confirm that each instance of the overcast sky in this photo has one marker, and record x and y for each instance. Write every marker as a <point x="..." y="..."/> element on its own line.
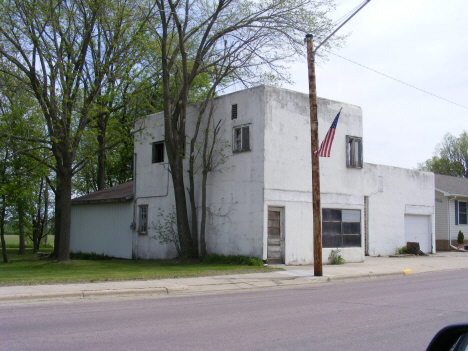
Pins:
<point x="421" y="42"/>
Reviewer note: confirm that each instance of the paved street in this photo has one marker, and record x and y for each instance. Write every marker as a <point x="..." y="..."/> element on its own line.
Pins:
<point x="393" y="313"/>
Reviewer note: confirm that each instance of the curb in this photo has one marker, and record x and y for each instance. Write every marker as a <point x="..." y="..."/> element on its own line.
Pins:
<point x="195" y="289"/>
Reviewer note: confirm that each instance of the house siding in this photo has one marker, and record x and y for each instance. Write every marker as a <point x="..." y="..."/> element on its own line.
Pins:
<point x="103" y="228"/>
<point x="454" y="229"/>
<point x="441" y="222"/>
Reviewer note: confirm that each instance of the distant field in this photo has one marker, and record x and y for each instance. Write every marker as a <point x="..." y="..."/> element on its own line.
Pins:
<point x="12" y="241"/>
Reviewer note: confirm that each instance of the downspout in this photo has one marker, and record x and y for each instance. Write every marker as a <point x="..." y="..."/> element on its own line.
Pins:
<point x="134" y="224"/>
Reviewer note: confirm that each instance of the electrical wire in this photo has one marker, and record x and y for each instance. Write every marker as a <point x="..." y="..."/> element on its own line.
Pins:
<point x="397" y="80"/>
<point x="343" y="18"/>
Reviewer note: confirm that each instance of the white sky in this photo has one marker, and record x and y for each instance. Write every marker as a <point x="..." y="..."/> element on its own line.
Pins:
<point x="421" y="42"/>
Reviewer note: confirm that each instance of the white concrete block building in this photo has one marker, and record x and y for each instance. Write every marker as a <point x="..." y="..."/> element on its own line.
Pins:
<point x="261" y="203"/>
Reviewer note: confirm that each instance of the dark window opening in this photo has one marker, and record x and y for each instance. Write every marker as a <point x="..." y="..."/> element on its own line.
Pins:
<point x="353" y="152"/>
<point x="241" y="138"/>
<point x="462" y="213"/>
<point x="341" y="228"/>
<point x="158" y="152"/>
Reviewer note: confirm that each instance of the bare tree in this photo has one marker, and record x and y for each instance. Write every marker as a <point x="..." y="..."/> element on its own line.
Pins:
<point x="242" y="41"/>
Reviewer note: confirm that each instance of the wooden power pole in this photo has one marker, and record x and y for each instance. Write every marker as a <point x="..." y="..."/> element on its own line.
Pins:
<point x="314" y="144"/>
<point x="316" y="207"/>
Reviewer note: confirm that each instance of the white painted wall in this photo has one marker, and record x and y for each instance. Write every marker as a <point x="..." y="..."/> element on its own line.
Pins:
<point x="276" y="172"/>
<point x="287" y="169"/>
<point x="235" y="195"/>
<point x="103" y="228"/>
<point x="341" y="186"/>
<point x="401" y="191"/>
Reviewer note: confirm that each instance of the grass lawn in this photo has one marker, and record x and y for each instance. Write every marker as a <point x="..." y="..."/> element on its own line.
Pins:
<point x="38" y="269"/>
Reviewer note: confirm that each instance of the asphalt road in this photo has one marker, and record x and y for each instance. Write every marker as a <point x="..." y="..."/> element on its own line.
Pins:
<point x="401" y="313"/>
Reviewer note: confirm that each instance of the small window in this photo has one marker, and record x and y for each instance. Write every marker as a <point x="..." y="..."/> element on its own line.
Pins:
<point x="234" y="111"/>
<point x="341" y="228"/>
<point x="241" y="138"/>
<point x="353" y="152"/>
<point x="158" y="152"/>
<point x="143" y="222"/>
<point x="462" y="212"/>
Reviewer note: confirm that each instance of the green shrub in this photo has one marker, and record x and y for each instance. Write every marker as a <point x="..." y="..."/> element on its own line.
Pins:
<point x="243" y="260"/>
<point x="461" y="237"/>
<point x="401" y="250"/>
<point x="335" y="257"/>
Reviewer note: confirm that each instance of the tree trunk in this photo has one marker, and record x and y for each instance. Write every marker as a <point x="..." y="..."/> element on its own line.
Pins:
<point x="46" y="213"/>
<point x="65" y="214"/>
<point x="2" y="230"/>
<point x="193" y="207"/>
<point x="37" y="223"/>
<point x="101" y="176"/>
<point x="57" y="218"/>
<point x="181" y="212"/>
<point x="22" y="246"/>
<point x="203" y="217"/>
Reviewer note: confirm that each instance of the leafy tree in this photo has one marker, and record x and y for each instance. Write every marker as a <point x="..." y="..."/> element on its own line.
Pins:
<point x="238" y="41"/>
<point x="69" y="52"/>
<point x="19" y="116"/>
<point x="451" y="157"/>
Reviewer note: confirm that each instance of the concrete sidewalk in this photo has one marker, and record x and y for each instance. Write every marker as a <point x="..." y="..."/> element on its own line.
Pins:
<point x="292" y="275"/>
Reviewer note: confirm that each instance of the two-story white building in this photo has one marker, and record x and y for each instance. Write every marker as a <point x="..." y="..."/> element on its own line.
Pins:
<point x="260" y="205"/>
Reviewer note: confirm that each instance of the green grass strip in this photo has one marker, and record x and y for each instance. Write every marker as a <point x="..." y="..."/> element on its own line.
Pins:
<point x="39" y="269"/>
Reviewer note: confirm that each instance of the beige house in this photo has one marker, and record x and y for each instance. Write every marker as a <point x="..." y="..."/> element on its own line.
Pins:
<point x="451" y="199"/>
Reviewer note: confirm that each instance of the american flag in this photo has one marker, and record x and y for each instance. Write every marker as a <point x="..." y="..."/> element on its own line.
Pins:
<point x="325" y="147"/>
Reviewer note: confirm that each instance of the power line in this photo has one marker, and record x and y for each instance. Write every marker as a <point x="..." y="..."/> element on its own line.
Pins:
<point x="343" y="18"/>
<point x="397" y="80"/>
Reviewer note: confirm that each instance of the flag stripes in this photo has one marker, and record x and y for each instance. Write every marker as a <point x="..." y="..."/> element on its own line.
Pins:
<point x="325" y="147"/>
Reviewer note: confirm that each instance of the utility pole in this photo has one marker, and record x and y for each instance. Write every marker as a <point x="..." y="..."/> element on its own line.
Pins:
<point x="314" y="144"/>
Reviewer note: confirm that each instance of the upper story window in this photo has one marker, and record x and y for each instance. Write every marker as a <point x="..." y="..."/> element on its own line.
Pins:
<point x="353" y="152"/>
<point x="158" y="152"/>
<point x="234" y="111"/>
<point x="241" y="138"/>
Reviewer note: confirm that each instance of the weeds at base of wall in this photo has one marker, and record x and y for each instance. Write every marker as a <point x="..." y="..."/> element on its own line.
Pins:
<point x="401" y="250"/>
<point x="166" y="230"/>
<point x="335" y="257"/>
<point x="92" y="256"/>
<point x="232" y="259"/>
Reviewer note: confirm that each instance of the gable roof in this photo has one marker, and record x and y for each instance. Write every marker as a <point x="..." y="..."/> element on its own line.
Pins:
<point x="451" y="185"/>
<point x="121" y="192"/>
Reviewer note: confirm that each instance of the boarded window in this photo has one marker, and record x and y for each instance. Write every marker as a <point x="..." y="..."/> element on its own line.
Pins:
<point x="234" y="111"/>
<point x="158" y="152"/>
<point x="241" y="138"/>
<point x="143" y="219"/>
<point x="341" y="228"/>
